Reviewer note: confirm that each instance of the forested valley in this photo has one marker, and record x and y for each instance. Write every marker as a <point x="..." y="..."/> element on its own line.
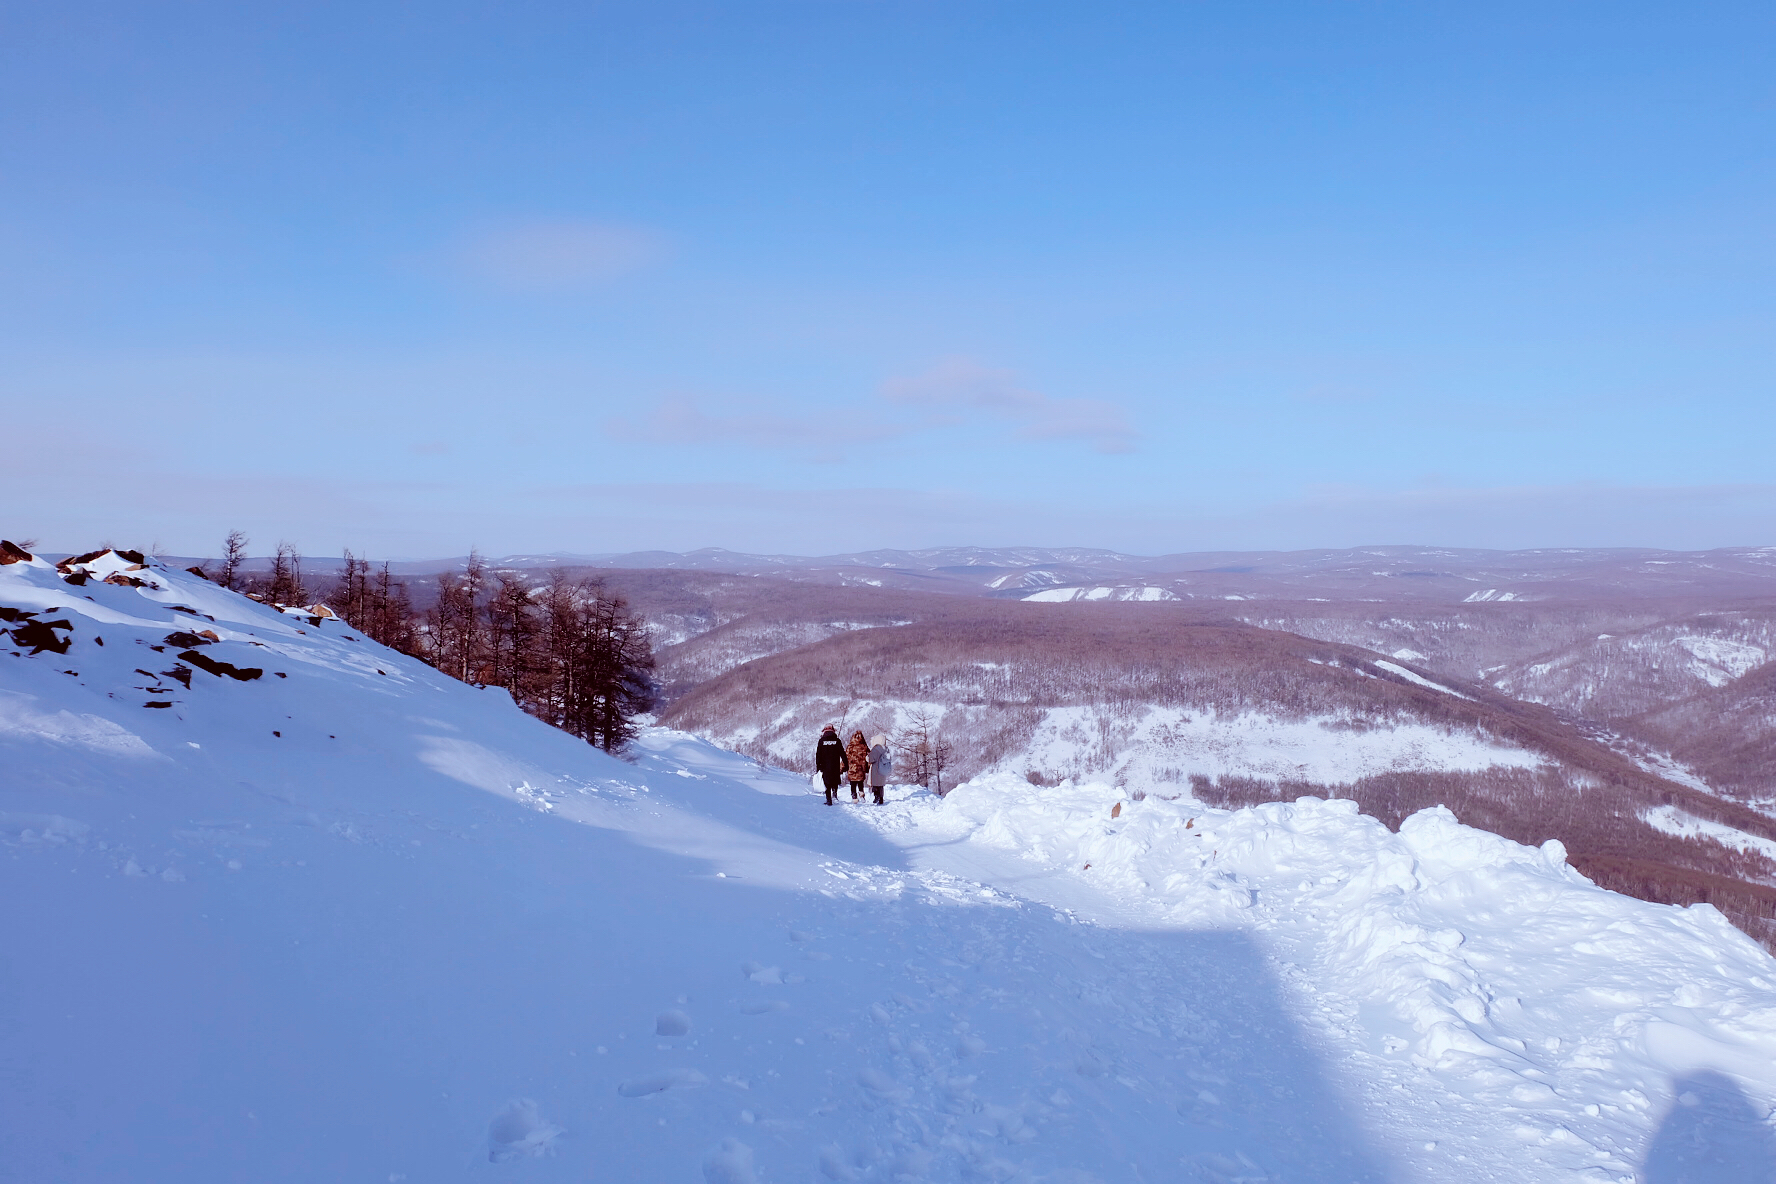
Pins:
<point x="1539" y="718"/>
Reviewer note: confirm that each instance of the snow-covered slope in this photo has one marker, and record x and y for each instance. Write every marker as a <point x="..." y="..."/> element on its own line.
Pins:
<point x="349" y="920"/>
<point x="1165" y="746"/>
<point x="1070" y="696"/>
<point x="1140" y="593"/>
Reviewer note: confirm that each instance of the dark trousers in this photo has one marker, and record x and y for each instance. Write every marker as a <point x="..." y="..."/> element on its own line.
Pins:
<point x="856" y="790"/>
<point x="878" y="791"/>
<point x="832" y="788"/>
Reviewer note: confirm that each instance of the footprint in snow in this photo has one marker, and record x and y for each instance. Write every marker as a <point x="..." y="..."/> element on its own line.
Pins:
<point x="881" y="1085"/>
<point x="760" y="973"/>
<point x="729" y="1163"/>
<point x="1091" y="1063"/>
<point x="520" y="1132"/>
<point x="672" y="1023"/>
<point x="658" y="1083"/>
<point x="833" y="1165"/>
<point x="762" y="1006"/>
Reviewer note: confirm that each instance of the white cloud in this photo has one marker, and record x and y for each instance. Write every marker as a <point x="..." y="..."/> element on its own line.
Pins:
<point x="959" y="384"/>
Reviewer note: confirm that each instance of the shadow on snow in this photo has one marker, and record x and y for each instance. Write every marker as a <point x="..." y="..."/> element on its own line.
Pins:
<point x="1711" y="1135"/>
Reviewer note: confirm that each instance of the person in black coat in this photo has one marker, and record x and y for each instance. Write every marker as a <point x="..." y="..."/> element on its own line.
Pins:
<point x="829" y="758"/>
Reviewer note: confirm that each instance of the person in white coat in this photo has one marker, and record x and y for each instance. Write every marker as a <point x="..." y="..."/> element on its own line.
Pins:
<point x="881" y="764"/>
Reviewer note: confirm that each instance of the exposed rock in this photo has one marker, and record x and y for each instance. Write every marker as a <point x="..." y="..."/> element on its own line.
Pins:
<point x="240" y="673"/>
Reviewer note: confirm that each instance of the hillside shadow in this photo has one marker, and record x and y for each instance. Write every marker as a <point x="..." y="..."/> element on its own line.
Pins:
<point x="1176" y="1049"/>
<point x="1277" y="1108"/>
<point x="1711" y="1135"/>
<point x="1171" y="1053"/>
<point x="803" y="820"/>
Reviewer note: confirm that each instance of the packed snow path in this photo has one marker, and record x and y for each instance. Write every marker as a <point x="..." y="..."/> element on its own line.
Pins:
<point x="350" y="920"/>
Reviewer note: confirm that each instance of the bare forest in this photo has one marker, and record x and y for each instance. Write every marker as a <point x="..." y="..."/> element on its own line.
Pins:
<point x="567" y="649"/>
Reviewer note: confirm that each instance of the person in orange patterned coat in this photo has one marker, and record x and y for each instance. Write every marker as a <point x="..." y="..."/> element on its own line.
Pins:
<point x="857" y="764"/>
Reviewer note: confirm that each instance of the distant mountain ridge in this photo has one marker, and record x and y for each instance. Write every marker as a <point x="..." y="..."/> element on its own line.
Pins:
<point x="1393" y="574"/>
<point x="1381" y="574"/>
<point x="1363" y="573"/>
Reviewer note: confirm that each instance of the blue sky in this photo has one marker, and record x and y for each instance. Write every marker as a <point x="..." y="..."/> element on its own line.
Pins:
<point x="816" y="276"/>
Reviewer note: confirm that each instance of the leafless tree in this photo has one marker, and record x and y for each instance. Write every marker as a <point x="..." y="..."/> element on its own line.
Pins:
<point x="374" y="603"/>
<point x="285" y="585"/>
<point x="234" y="553"/>
<point x="513" y="628"/>
<point x="350" y="597"/>
<point x="392" y="620"/>
<point x="923" y="751"/>
<point x="940" y="760"/>
<point x="455" y="639"/>
<point x="600" y="664"/>
<point x="572" y="654"/>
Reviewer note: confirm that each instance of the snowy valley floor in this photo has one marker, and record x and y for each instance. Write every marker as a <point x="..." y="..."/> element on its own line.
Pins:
<point x="362" y="923"/>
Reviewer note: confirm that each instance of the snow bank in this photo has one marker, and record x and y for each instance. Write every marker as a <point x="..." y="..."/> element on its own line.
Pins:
<point x="1453" y="966"/>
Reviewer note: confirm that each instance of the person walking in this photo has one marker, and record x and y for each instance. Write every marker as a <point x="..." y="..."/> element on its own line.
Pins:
<point x="881" y="763"/>
<point x="857" y="757"/>
<point x="829" y="758"/>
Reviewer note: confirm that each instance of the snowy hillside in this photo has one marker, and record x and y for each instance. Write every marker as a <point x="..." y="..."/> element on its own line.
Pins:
<point x="281" y="905"/>
<point x="1038" y="688"/>
<point x="1685" y="687"/>
<point x="1137" y="593"/>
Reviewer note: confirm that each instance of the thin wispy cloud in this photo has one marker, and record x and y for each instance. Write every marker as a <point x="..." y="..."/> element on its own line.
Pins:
<point x="943" y="396"/>
<point x="681" y="420"/>
<point x="559" y="253"/>
<point x="958" y="385"/>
